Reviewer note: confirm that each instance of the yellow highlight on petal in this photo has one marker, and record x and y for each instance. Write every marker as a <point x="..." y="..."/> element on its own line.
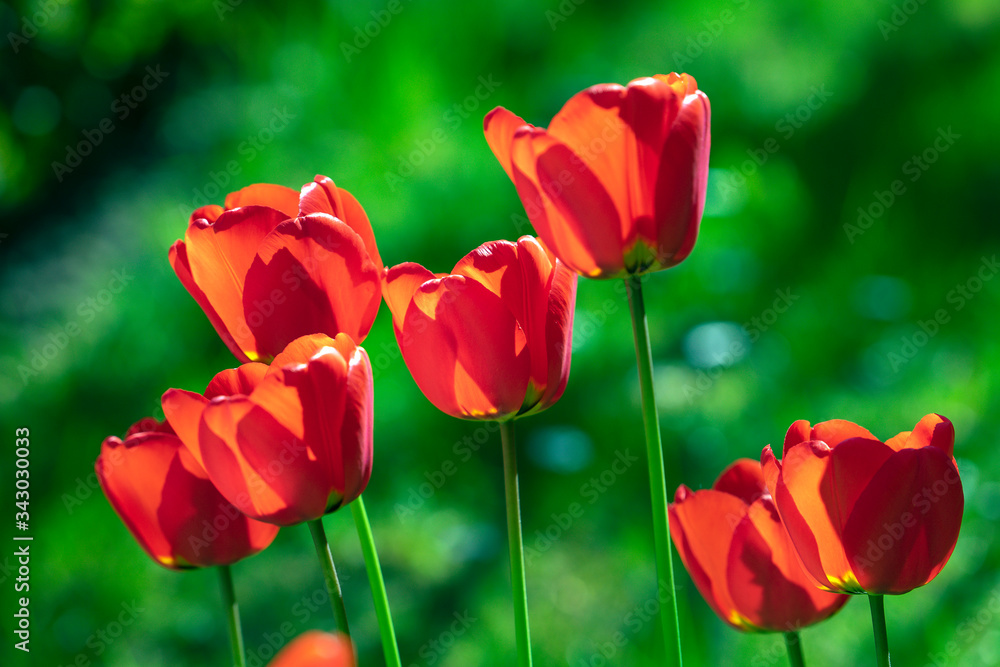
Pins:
<point x="845" y="584"/>
<point x="742" y="622"/>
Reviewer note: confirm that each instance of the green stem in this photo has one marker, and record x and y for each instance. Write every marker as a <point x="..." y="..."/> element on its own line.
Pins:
<point x="233" y="612"/>
<point x="329" y="574"/>
<point x="374" y="568"/>
<point x="794" y="646"/>
<point x="657" y="479"/>
<point x="877" y="604"/>
<point x="516" y="543"/>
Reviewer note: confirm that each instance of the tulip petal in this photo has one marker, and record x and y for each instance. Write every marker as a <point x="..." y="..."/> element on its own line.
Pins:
<point x="400" y="284"/>
<point x="681" y="182"/>
<point x="648" y="109"/>
<point x="519" y="274"/>
<point x="590" y="125"/>
<point x="932" y="431"/>
<point x="301" y="350"/>
<point x="167" y="502"/>
<point x="835" y="431"/>
<point x="742" y="479"/>
<point x="897" y="540"/>
<point x="316" y="649"/>
<point x="179" y="262"/>
<point x="311" y="275"/>
<point x="559" y="310"/>
<point x="278" y="197"/>
<point x="322" y="196"/>
<point x="216" y="532"/>
<point x="816" y="535"/>
<point x="354" y="463"/>
<point x="771" y="468"/>
<point x="701" y="526"/>
<point x="494" y="265"/>
<point x="799" y="431"/>
<point x="183" y="410"/>
<point x="766" y="581"/>
<point x="321" y="387"/>
<point x="211" y="213"/>
<point x="233" y="381"/>
<point x="129" y="475"/>
<point x="465" y="349"/>
<point x="259" y="465"/>
<point x="576" y="216"/>
<point x="500" y="126"/>
<point x="220" y="254"/>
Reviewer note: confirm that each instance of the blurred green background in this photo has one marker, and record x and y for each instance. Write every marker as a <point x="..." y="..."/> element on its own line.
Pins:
<point x="152" y="108"/>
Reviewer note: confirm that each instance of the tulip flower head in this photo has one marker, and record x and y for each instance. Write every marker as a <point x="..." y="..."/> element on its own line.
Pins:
<point x="492" y="339"/>
<point x="289" y="442"/>
<point x="732" y="543"/>
<point x="316" y="649"/>
<point x="164" y="497"/>
<point x="867" y="516"/>
<point x="616" y="184"/>
<point x="276" y="264"/>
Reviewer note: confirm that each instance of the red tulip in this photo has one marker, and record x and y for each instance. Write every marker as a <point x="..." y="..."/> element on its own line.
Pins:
<point x="286" y="443"/>
<point x="274" y="265"/>
<point x="616" y="185"/>
<point x="492" y="339"/>
<point x="316" y="649"/>
<point x="169" y="505"/>
<point x="732" y="543"/>
<point x="867" y="516"/>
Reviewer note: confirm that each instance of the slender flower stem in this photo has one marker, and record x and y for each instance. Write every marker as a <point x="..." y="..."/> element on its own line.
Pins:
<point x="329" y="574"/>
<point x="374" y="568"/>
<point x="877" y="603"/>
<point x="794" y="646"/>
<point x="233" y="612"/>
<point x="516" y="544"/>
<point x="657" y="479"/>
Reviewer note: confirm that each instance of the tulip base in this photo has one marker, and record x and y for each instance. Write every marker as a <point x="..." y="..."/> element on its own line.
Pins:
<point x="794" y="646"/>
<point x="516" y="542"/>
<point x="233" y="613"/>
<point x="329" y="574"/>
<point x="657" y="479"/>
<point x="877" y="604"/>
<point x="389" y="645"/>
